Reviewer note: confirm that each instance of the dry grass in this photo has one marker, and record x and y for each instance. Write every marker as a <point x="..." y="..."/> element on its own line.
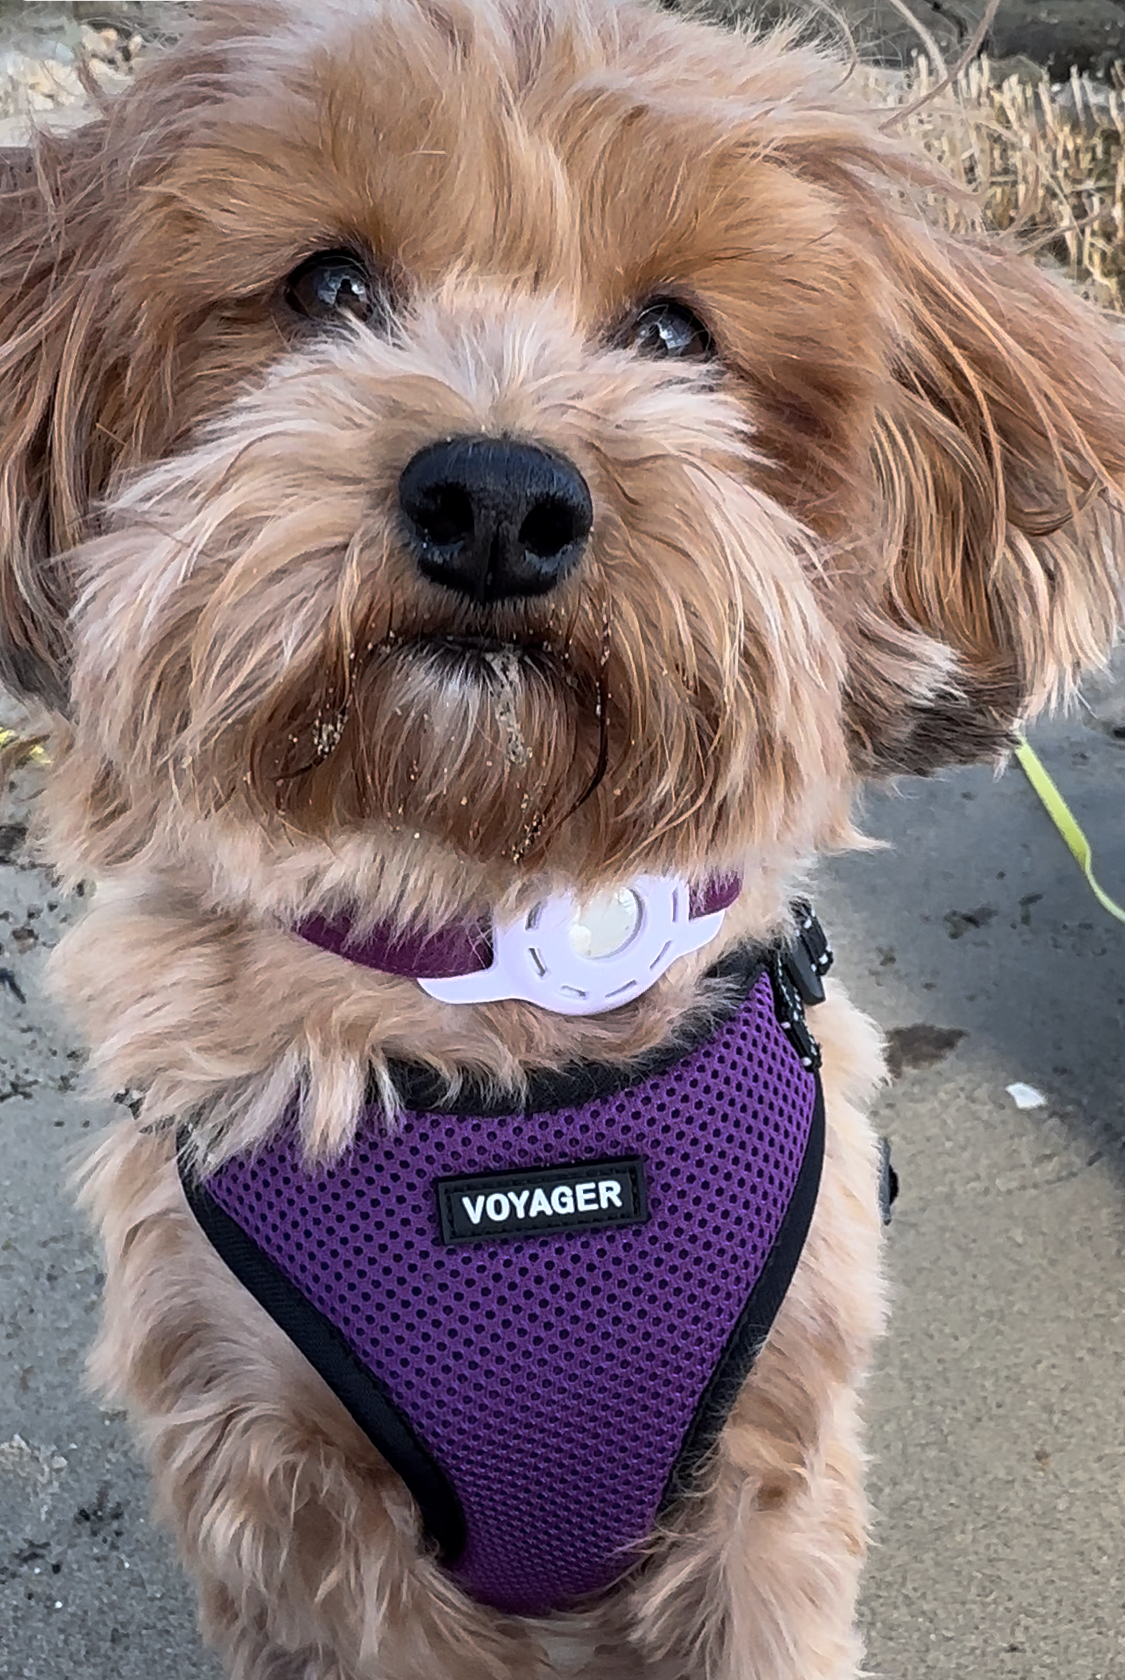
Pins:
<point x="1045" y="162"/>
<point x="1040" y="161"/>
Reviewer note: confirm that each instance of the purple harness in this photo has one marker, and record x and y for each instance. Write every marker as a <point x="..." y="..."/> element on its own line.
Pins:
<point x="543" y="1318"/>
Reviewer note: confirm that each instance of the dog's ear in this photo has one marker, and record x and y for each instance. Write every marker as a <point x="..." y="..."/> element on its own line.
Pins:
<point x="57" y="372"/>
<point x="999" y="456"/>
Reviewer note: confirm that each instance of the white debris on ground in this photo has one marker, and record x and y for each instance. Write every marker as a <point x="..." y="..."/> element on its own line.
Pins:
<point x="39" y="1467"/>
<point x="1026" y="1096"/>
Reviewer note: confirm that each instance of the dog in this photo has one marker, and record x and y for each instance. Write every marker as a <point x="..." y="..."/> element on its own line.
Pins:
<point x="481" y="481"/>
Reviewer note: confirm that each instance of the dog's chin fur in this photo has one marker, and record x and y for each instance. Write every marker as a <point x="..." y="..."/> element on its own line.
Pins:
<point x="869" y="532"/>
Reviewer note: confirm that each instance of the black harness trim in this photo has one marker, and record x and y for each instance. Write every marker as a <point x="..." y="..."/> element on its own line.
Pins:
<point x="329" y="1354"/>
<point x="749" y="1335"/>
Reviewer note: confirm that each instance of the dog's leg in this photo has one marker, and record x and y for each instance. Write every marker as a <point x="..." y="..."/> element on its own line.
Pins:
<point x="782" y="1607"/>
<point x="303" y="1544"/>
<point x="250" y="1652"/>
<point x="760" y="1581"/>
<point x="765" y="1587"/>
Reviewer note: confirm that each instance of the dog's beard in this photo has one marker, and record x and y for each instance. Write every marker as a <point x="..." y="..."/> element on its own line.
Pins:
<point x="638" y="727"/>
<point x="579" y="749"/>
<point x="487" y="743"/>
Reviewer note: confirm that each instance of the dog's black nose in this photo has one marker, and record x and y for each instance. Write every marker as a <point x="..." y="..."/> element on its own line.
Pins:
<point x="493" y="518"/>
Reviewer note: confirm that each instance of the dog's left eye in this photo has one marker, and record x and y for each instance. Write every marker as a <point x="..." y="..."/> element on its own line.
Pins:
<point x="331" y="284"/>
<point x="664" y="329"/>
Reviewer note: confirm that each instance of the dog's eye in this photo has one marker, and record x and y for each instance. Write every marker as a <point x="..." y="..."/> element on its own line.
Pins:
<point x="331" y="284"/>
<point x="664" y="329"/>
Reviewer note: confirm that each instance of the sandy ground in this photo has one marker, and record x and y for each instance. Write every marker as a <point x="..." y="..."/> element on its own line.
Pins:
<point x="997" y="1420"/>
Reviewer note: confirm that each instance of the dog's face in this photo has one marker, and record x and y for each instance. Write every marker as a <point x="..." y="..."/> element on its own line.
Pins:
<point x="538" y="435"/>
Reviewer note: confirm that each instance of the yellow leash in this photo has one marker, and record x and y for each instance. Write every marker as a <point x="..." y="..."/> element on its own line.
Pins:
<point x="36" y="755"/>
<point x="1063" y="818"/>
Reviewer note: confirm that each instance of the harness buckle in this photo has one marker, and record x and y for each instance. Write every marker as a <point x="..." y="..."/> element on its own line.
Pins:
<point x="797" y="971"/>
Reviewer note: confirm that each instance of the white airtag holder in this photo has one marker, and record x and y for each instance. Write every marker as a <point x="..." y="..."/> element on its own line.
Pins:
<point x="584" y="959"/>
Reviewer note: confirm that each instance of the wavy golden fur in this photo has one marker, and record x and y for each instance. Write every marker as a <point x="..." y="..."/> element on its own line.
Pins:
<point x="873" y="530"/>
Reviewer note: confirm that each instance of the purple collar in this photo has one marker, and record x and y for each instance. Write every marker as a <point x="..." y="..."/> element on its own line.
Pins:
<point x="457" y="948"/>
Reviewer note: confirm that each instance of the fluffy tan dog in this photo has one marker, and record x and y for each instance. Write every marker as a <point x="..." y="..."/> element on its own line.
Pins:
<point x="828" y="495"/>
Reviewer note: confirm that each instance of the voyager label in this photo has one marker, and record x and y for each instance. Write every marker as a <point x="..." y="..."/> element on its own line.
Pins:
<point x="578" y="1196"/>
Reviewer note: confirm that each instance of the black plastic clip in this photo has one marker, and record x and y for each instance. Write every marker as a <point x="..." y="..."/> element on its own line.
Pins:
<point x="888" y="1181"/>
<point x="810" y="955"/>
<point x="797" y="971"/>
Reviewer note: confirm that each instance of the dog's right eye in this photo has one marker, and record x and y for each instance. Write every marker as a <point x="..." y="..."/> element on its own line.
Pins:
<point x="331" y="284"/>
<point x="667" y="329"/>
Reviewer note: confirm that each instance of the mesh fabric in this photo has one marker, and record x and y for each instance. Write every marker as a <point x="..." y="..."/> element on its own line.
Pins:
<point x="553" y="1378"/>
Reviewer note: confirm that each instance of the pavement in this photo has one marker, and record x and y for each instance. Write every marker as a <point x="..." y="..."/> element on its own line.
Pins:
<point x="997" y="1418"/>
<point x="997" y="1421"/>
